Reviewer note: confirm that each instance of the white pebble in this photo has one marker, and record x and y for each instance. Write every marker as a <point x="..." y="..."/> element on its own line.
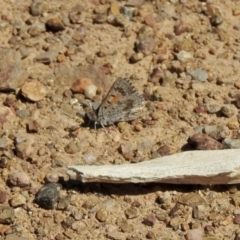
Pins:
<point x="90" y="91"/>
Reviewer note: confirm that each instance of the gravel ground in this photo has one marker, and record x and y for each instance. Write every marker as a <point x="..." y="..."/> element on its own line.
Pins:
<point x="58" y="58"/>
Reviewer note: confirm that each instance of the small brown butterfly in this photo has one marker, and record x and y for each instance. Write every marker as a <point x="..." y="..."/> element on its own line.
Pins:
<point x="122" y="103"/>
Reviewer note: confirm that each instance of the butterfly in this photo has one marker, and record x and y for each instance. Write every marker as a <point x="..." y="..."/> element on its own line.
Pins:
<point x="122" y="103"/>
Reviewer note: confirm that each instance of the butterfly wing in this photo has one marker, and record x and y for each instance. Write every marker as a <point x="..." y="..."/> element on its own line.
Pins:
<point x="122" y="103"/>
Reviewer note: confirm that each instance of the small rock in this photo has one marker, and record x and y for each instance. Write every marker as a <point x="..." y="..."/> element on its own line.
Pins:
<point x="67" y="223"/>
<point x="48" y="195"/>
<point x="126" y="227"/>
<point x="89" y="158"/>
<point x="194" y="234"/>
<point x="17" y="200"/>
<point x="203" y="142"/>
<point x="3" y="196"/>
<point x="199" y="212"/>
<point x="102" y="215"/>
<point x="236" y="220"/>
<point x="150" y="235"/>
<point x="34" y="91"/>
<point x="52" y="177"/>
<point x="184" y="56"/>
<point x="198" y="74"/>
<point x="6" y="215"/>
<point x="22" y="113"/>
<point x="90" y="91"/>
<point x="228" y="110"/>
<point x="145" y="45"/>
<point x="36" y="29"/>
<point x="192" y="199"/>
<point x="90" y="203"/>
<point x="72" y="147"/>
<point x="33" y="126"/>
<point x="176" y="222"/>
<point x="24" y="149"/>
<point x="15" y="237"/>
<point x="218" y="132"/>
<point x="164" y="150"/>
<point x="12" y="73"/>
<point x="116" y="235"/>
<point x="150" y="20"/>
<point x="135" y="57"/>
<point x="80" y="85"/>
<point x="19" y="179"/>
<point x="231" y="143"/>
<point x="24" y="51"/>
<point x="64" y="203"/>
<point x="180" y="28"/>
<point x="55" y="24"/>
<point x="131" y="212"/>
<point x="37" y="8"/>
<point x="47" y="57"/>
<point x="6" y="115"/>
<point x="213" y="108"/>
<point x="150" y="220"/>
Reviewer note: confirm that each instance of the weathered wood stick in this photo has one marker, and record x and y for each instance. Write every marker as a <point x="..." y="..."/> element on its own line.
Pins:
<point x="192" y="167"/>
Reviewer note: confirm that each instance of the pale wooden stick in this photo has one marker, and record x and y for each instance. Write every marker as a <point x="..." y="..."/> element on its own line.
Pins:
<point x="192" y="167"/>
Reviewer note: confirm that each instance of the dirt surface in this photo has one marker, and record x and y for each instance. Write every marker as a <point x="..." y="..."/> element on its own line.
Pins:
<point x="58" y="58"/>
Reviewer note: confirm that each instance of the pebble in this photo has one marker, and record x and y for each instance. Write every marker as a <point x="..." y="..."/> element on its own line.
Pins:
<point x="72" y="147"/>
<point x="198" y="74"/>
<point x="52" y="177"/>
<point x="24" y="51"/>
<point x="6" y="215"/>
<point x="192" y="199"/>
<point x="17" y="200"/>
<point x="236" y="219"/>
<point x="33" y="126"/>
<point x="37" y="8"/>
<point x="55" y="24"/>
<point x="194" y="234"/>
<point x="34" y="90"/>
<point x="102" y="215"/>
<point x="23" y="113"/>
<point x="217" y="132"/>
<point x="204" y="142"/>
<point x="199" y="212"/>
<point x="36" y="29"/>
<point x="64" y="203"/>
<point x="135" y="57"/>
<point x="80" y="85"/>
<point x="24" y="149"/>
<point x="89" y="158"/>
<point x="184" y="56"/>
<point x="48" y="195"/>
<point x="150" y="220"/>
<point x="230" y="143"/>
<point x="6" y="115"/>
<point x="228" y="110"/>
<point x="213" y="108"/>
<point x="116" y="235"/>
<point x="67" y="223"/>
<point x="90" y="91"/>
<point x="47" y="57"/>
<point x="15" y="237"/>
<point x="19" y="179"/>
<point x="12" y="72"/>
<point x="126" y="227"/>
<point x="145" y="45"/>
<point x="3" y="196"/>
<point x="175" y="222"/>
<point x="131" y="212"/>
